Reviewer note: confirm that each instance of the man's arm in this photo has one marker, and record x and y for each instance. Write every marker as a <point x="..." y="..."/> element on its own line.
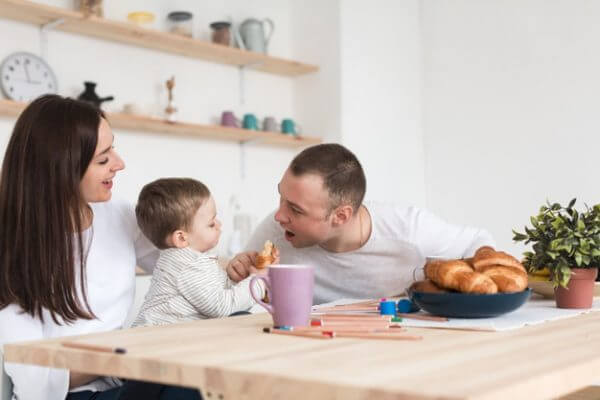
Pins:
<point x="436" y="238"/>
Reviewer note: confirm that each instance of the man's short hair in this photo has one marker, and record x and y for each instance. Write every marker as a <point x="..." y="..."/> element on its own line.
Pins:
<point x="168" y="204"/>
<point x="342" y="174"/>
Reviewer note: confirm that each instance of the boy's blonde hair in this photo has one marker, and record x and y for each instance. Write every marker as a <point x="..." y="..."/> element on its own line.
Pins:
<point x="169" y="204"/>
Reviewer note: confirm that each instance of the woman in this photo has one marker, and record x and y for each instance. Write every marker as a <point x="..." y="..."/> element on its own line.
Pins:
<point x="67" y="253"/>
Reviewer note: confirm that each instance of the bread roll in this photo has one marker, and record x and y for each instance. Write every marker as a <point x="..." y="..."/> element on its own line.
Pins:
<point x="426" y="286"/>
<point x="266" y="256"/>
<point x="458" y="275"/>
<point x="508" y="279"/>
<point x="487" y="256"/>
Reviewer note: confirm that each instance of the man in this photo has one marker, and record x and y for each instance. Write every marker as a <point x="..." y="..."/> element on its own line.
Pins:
<point x="358" y="250"/>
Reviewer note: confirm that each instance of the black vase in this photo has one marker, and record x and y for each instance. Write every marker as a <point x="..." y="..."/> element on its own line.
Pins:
<point x="89" y="95"/>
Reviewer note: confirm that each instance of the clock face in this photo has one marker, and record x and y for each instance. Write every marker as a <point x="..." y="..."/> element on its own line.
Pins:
<point x="25" y="76"/>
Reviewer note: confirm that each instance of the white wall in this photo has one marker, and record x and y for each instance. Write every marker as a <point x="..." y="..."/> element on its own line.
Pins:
<point x="381" y="96"/>
<point x="367" y="94"/>
<point x="511" y="108"/>
<point x="202" y="91"/>
<point x="316" y="39"/>
<point x="479" y="109"/>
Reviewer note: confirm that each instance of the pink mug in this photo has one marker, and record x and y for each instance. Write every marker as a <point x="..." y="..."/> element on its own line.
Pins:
<point x="290" y="289"/>
<point x="228" y="118"/>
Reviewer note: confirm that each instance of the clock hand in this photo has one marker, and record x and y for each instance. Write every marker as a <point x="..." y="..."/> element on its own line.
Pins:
<point x="27" y="73"/>
<point x="28" y="81"/>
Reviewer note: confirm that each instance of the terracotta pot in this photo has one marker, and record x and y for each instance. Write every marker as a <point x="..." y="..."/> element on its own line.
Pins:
<point x="580" y="289"/>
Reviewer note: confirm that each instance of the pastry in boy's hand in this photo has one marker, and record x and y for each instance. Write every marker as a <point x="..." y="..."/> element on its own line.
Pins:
<point x="266" y="256"/>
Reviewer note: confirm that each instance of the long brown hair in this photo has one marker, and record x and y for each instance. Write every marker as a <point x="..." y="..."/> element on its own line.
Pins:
<point x="42" y="210"/>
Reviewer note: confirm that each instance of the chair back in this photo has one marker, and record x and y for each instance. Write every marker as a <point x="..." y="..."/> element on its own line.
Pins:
<point x="5" y="382"/>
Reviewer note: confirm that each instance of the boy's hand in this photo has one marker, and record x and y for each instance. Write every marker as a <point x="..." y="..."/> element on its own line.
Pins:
<point x="241" y="266"/>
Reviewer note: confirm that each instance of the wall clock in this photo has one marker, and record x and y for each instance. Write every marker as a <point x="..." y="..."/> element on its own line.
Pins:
<point x="25" y="76"/>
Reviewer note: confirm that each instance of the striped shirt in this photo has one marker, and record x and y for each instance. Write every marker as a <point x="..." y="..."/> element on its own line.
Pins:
<point x="188" y="285"/>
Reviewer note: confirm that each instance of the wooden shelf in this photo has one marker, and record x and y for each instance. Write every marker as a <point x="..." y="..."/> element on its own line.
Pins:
<point x="10" y="108"/>
<point x="124" y="32"/>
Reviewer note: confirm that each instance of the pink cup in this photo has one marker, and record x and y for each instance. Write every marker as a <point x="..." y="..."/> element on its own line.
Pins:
<point x="290" y="289"/>
<point x="228" y="118"/>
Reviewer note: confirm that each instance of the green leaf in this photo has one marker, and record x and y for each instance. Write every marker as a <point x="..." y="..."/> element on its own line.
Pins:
<point x="557" y="223"/>
<point x="578" y="258"/>
<point x="586" y="260"/>
<point x="518" y="237"/>
<point x="572" y="203"/>
<point x="564" y="276"/>
<point x="534" y="222"/>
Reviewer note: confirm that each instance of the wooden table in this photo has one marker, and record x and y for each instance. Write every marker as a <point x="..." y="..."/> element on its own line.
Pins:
<point x="231" y="358"/>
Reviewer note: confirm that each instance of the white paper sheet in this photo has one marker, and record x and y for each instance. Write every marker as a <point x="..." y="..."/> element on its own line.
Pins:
<point x="536" y="311"/>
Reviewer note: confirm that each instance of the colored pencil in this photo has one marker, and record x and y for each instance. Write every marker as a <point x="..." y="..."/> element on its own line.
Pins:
<point x="423" y="317"/>
<point x="314" y="335"/>
<point x="377" y="335"/>
<point x="94" y="347"/>
<point x="349" y="307"/>
<point x="376" y="317"/>
<point x="348" y="328"/>
<point x="362" y="323"/>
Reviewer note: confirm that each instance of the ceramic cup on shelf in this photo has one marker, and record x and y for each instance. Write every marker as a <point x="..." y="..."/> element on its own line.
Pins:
<point x="250" y="122"/>
<point x="290" y="289"/>
<point x="229" y="119"/>
<point x="270" y="124"/>
<point x="288" y="126"/>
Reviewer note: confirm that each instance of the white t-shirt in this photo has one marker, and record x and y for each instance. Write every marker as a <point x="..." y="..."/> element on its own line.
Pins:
<point x="117" y="245"/>
<point x="401" y="240"/>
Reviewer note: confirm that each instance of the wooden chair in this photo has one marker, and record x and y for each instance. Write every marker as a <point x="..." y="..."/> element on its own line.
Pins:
<point x="5" y="383"/>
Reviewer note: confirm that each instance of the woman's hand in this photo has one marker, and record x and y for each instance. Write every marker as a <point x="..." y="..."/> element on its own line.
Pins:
<point x="241" y="266"/>
<point x="77" y="379"/>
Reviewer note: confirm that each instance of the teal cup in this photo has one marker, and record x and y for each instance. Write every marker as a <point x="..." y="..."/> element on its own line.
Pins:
<point x="288" y="126"/>
<point x="250" y="122"/>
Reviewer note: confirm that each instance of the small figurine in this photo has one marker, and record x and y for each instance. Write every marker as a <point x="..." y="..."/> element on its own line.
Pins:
<point x="171" y="109"/>
<point x="90" y="7"/>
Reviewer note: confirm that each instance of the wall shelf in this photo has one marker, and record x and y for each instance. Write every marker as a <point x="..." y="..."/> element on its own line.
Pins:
<point x="124" y="32"/>
<point x="9" y="108"/>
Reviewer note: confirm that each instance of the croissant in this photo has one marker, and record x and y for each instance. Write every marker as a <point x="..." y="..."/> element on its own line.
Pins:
<point x="266" y="257"/>
<point x="508" y="279"/>
<point x="459" y="275"/>
<point x="427" y="286"/>
<point x="488" y="272"/>
<point x="486" y="256"/>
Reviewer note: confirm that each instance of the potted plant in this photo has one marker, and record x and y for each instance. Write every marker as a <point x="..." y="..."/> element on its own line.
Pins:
<point x="567" y="243"/>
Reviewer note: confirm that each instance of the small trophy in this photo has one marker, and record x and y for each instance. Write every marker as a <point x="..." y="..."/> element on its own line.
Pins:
<point x="171" y="109"/>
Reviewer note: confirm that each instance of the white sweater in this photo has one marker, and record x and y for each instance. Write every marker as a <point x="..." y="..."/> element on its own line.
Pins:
<point x="188" y="285"/>
<point x="116" y="246"/>
<point x="401" y="240"/>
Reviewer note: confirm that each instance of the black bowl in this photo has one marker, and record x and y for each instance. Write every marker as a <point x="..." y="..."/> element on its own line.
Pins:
<point x="464" y="305"/>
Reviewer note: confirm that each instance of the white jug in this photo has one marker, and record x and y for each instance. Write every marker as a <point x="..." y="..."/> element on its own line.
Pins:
<point x="252" y="33"/>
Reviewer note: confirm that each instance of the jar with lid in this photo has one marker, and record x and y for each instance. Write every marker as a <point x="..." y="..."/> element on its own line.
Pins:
<point x="180" y="23"/>
<point x="221" y="33"/>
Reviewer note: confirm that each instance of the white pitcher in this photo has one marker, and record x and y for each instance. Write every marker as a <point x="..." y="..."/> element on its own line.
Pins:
<point x="252" y="33"/>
